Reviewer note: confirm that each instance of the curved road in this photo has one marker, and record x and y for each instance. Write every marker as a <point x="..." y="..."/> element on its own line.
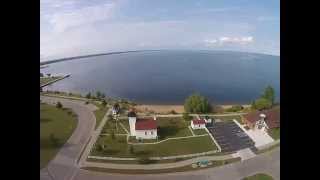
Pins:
<point x="64" y="165"/>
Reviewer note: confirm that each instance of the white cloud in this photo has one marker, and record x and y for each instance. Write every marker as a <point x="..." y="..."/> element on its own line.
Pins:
<point x="62" y="20"/>
<point x="229" y="40"/>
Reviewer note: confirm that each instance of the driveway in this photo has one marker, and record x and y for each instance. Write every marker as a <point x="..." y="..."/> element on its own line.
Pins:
<point x="259" y="137"/>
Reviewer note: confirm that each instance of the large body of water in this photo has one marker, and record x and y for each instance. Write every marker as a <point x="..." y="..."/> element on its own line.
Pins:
<point x="168" y="77"/>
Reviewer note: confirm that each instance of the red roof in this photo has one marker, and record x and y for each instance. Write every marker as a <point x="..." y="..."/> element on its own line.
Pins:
<point x="146" y="124"/>
<point x="198" y="121"/>
<point x="272" y="117"/>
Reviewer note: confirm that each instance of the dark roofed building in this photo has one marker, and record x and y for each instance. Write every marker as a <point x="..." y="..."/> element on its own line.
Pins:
<point x="266" y="118"/>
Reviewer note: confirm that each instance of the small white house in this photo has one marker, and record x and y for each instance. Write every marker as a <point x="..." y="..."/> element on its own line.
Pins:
<point x="198" y="124"/>
<point x="142" y="128"/>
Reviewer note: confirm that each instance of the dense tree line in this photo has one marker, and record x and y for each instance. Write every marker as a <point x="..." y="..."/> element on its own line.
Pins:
<point x="197" y="104"/>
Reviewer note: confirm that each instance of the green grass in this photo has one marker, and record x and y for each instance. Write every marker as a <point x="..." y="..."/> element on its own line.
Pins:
<point x="45" y="80"/>
<point x="119" y="147"/>
<point x="172" y="127"/>
<point x="61" y="123"/>
<point x="199" y="131"/>
<point x="110" y="127"/>
<point x="259" y="176"/>
<point x="274" y="133"/>
<point x="99" y="113"/>
<point x="171" y="170"/>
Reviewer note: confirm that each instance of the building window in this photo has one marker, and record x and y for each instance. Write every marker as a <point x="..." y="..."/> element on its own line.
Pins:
<point x="199" y="125"/>
<point x="151" y="132"/>
<point x="145" y="133"/>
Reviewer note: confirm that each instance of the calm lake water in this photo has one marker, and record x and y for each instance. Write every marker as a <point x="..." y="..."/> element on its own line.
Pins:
<point x="168" y="77"/>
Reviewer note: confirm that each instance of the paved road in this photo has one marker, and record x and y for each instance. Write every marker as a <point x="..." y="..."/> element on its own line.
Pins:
<point x="63" y="166"/>
<point x="268" y="163"/>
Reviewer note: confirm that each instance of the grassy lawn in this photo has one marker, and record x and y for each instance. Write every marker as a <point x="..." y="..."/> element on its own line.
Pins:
<point x="172" y="127"/>
<point x="180" y="169"/>
<point x="45" y="80"/>
<point x="259" y="176"/>
<point x="110" y="127"/>
<point x="119" y="148"/>
<point x="99" y="113"/>
<point x="274" y="133"/>
<point x="199" y="131"/>
<point x="56" y="126"/>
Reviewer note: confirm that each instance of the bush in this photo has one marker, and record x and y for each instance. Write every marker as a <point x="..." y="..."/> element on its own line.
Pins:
<point x="186" y="116"/>
<point x="59" y="105"/>
<point x="197" y="104"/>
<point x="104" y="103"/>
<point x="173" y="112"/>
<point x="261" y="104"/>
<point x="235" y="108"/>
<point x="131" y="149"/>
<point x="54" y="140"/>
<point x="88" y="96"/>
<point x="87" y="102"/>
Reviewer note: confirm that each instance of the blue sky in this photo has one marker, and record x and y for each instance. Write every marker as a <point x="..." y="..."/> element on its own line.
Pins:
<point x="79" y="27"/>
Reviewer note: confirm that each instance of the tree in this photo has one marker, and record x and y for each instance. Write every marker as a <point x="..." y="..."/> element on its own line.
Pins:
<point x="104" y="103"/>
<point x="197" y="104"/>
<point x="41" y="74"/>
<point x="261" y="104"/>
<point x="103" y="95"/>
<point x="98" y="94"/>
<point x="59" y="105"/>
<point x="269" y="94"/>
<point x="235" y="108"/>
<point x="48" y="74"/>
<point x="88" y="96"/>
<point x="186" y="116"/>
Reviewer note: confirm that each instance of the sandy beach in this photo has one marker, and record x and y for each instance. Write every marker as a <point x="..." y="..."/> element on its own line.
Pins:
<point x="168" y="108"/>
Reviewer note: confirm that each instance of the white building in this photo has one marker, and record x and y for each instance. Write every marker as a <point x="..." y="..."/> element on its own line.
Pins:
<point x="198" y="124"/>
<point x="142" y="128"/>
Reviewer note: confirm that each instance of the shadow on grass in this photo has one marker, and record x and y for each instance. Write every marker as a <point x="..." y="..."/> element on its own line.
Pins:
<point x="167" y="131"/>
<point x="45" y="120"/>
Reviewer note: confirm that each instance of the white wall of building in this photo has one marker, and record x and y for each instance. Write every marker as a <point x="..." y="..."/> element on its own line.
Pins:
<point x="132" y="124"/>
<point x="197" y="126"/>
<point x="146" y="134"/>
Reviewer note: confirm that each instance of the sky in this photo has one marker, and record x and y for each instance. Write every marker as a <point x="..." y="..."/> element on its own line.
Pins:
<point x="80" y="27"/>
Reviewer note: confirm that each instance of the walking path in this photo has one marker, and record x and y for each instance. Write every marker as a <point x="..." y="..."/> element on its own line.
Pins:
<point x="94" y="138"/>
<point x="191" y="131"/>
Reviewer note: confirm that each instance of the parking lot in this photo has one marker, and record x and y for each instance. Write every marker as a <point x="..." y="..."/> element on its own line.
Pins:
<point x="230" y="136"/>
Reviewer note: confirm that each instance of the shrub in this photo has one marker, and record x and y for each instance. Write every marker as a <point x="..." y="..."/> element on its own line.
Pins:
<point x="186" y="116"/>
<point x="104" y="103"/>
<point x="235" y="108"/>
<point x="59" y="105"/>
<point x="197" y="104"/>
<point x="173" y="112"/>
<point x="131" y="149"/>
<point x="88" y="96"/>
<point x="54" y="140"/>
<point x="87" y="102"/>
